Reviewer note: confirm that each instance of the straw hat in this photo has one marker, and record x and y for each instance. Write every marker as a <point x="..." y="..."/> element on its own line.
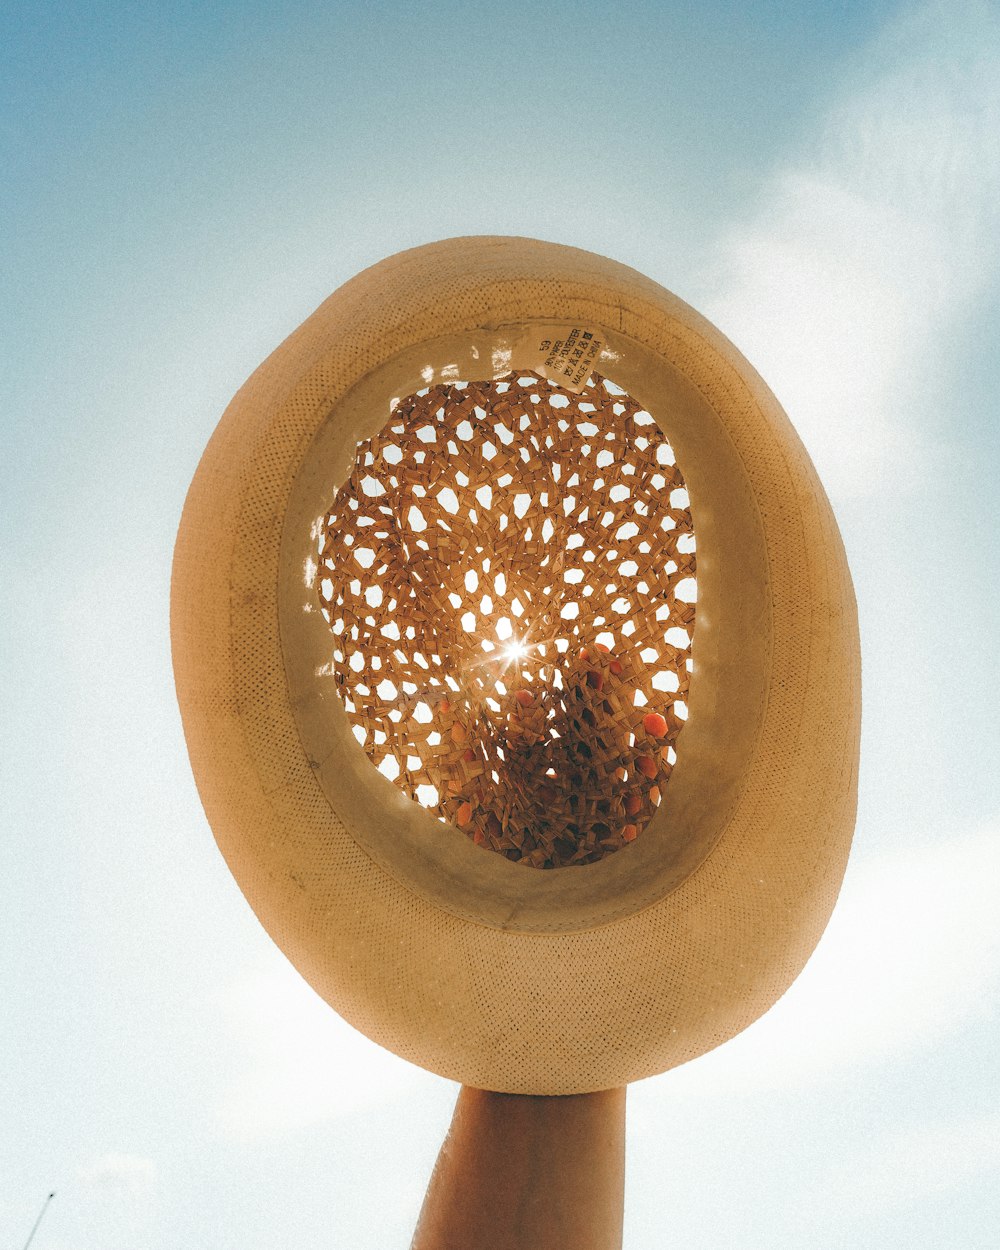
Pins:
<point x="518" y="663"/>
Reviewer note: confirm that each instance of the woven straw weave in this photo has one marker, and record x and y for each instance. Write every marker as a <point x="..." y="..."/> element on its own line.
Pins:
<point x="509" y="574"/>
<point x="491" y="974"/>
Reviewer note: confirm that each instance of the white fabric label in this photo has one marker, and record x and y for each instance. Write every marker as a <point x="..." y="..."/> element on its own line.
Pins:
<point x="563" y="354"/>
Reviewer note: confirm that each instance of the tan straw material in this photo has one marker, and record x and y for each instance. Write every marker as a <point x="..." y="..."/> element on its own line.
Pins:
<point x="434" y="629"/>
<point x="508" y="572"/>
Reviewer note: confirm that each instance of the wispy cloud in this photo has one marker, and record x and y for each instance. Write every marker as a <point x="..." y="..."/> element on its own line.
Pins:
<point x="911" y="956"/>
<point x="132" y="1174"/>
<point x="302" y="1064"/>
<point x="846" y="284"/>
<point x="911" y="1165"/>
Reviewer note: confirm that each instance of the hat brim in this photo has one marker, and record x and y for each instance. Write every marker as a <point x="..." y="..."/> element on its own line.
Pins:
<point x="481" y="970"/>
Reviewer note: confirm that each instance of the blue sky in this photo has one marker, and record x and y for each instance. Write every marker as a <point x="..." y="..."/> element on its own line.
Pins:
<point x="181" y="188"/>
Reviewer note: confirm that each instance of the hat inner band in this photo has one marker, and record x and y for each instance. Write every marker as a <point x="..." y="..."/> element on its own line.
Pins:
<point x="731" y="655"/>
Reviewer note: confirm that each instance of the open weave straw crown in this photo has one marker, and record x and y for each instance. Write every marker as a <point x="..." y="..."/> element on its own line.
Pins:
<point x="518" y="662"/>
<point x="504" y="571"/>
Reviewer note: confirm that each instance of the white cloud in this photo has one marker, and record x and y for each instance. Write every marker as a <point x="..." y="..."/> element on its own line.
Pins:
<point x="864" y="255"/>
<point x="302" y="1064"/>
<point x="911" y="1165"/>
<point x="911" y="956"/>
<point x="130" y="1174"/>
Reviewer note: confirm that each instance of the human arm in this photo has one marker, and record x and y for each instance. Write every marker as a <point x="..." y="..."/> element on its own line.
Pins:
<point x="526" y="1172"/>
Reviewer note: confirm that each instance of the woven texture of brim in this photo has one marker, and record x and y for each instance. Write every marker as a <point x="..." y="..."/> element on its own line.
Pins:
<point x="482" y="970"/>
